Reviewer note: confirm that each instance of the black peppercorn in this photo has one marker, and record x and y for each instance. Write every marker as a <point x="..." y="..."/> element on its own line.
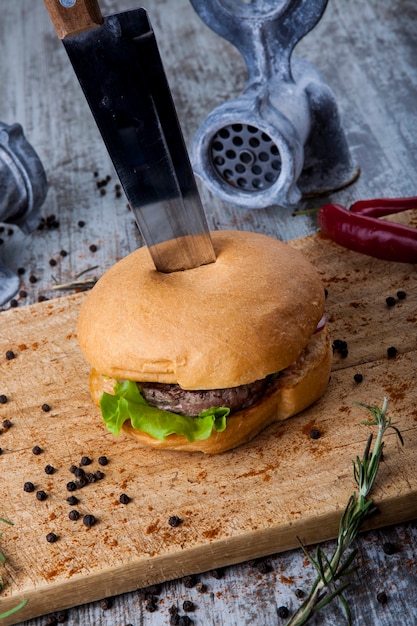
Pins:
<point x="93" y="247"/>
<point x="36" y="450"/>
<point x="300" y="593"/>
<point x="85" y="460"/>
<point x="53" y="262"/>
<point x="124" y="499"/>
<point x="7" y="424"/>
<point x="174" y="521"/>
<point x="389" y="548"/>
<point x="21" y="271"/>
<point x="150" y="605"/>
<point x="74" y="515"/>
<point x="51" y="620"/>
<point x="71" y="486"/>
<point x="79" y="472"/>
<point x="188" y="606"/>
<point x="189" y="581"/>
<point x="382" y="597"/>
<point x="73" y="469"/>
<point x="10" y="355"/>
<point x="391" y="352"/>
<point x="89" y="520"/>
<point x="14" y="303"/>
<point x="72" y="500"/>
<point x="49" y="469"/>
<point x="358" y="378"/>
<point x="401" y="295"/>
<point x="283" y="612"/>
<point x="61" y="617"/>
<point x="63" y="253"/>
<point x="106" y="603"/>
<point x="45" y="408"/>
<point x="184" y="620"/>
<point x="28" y="487"/>
<point x="23" y="293"/>
<point x="41" y="495"/>
<point x="217" y="573"/>
<point x="51" y="537"/>
<point x="315" y="434"/>
<point x="390" y="301"/>
<point x="103" y="460"/>
<point x="81" y="223"/>
<point x="264" y="567"/>
<point x="99" y="475"/>
<point x="3" y="399"/>
<point x="33" y="279"/>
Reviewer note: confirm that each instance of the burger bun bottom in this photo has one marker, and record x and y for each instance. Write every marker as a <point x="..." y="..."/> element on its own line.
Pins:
<point x="297" y="387"/>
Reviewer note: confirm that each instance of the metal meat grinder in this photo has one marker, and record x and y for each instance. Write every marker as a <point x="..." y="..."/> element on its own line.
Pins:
<point x="23" y="188"/>
<point x="282" y="138"/>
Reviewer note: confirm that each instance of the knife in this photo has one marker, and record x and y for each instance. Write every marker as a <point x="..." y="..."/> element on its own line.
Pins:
<point x="117" y="62"/>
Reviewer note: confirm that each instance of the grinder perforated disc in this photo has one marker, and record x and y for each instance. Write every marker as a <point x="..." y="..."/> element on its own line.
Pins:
<point x="244" y="156"/>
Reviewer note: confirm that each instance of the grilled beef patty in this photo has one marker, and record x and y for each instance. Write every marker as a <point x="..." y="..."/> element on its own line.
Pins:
<point x="174" y="398"/>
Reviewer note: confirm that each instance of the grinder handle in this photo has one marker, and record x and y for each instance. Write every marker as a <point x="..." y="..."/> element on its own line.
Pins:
<point x="73" y="16"/>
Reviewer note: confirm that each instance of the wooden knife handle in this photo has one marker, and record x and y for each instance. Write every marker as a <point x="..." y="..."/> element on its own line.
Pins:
<point x="71" y="20"/>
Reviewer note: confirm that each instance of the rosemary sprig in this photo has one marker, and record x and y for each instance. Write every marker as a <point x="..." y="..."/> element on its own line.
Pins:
<point x="330" y="570"/>
<point x="3" y="561"/>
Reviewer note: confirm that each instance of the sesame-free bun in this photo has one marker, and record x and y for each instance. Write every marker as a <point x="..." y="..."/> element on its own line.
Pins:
<point x="245" y="316"/>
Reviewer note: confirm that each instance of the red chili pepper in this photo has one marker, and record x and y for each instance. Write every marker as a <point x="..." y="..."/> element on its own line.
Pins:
<point x="379" y="207"/>
<point x="359" y="229"/>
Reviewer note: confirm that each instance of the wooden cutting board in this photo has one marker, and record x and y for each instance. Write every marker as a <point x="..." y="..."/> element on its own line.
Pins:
<point x="243" y="504"/>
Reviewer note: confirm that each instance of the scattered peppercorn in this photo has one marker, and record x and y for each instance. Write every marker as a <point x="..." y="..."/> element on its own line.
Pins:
<point x="7" y="424"/>
<point x="401" y="295"/>
<point x="283" y="612"/>
<point x="3" y="399"/>
<point x="300" y="593"/>
<point x="174" y="521"/>
<point x="189" y="581"/>
<point x="382" y="597"/>
<point x="71" y="486"/>
<point x="63" y="253"/>
<point x="62" y="617"/>
<point x="28" y="487"/>
<point x="85" y="460"/>
<point x="99" y="475"/>
<point x="51" y="620"/>
<point x="42" y="298"/>
<point x="51" y="537"/>
<point x="390" y="301"/>
<point x="36" y="450"/>
<point x="392" y="352"/>
<point x="14" y="303"/>
<point x="389" y="548"/>
<point x="53" y="262"/>
<point x="184" y="620"/>
<point x="74" y="515"/>
<point x="217" y="573"/>
<point x="102" y="460"/>
<point x="124" y="499"/>
<point x="45" y="408"/>
<point x="79" y="472"/>
<point x="72" y="500"/>
<point x="49" y="469"/>
<point x="340" y="346"/>
<point x="73" y="469"/>
<point x="358" y="378"/>
<point x="151" y="605"/>
<point x="81" y="223"/>
<point x="21" y="271"/>
<point x="89" y="520"/>
<point x="264" y="567"/>
<point x="106" y="603"/>
<point x="23" y="293"/>
<point x="41" y="495"/>
<point x="33" y="279"/>
<point x="188" y="606"/>
<point x="93" y="248"/>
<point x="315" y="434"/>
<point x="10" y="355"/>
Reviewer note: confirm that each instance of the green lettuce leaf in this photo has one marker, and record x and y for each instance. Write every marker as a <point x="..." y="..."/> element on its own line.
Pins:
<point x="128" y="403"/>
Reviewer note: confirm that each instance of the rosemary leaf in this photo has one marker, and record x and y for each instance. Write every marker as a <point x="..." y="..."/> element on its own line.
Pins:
<point x="359" y="507"/>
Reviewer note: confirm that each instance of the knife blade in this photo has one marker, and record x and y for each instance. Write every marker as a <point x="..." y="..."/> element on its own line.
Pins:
<point x="118" y="65"/>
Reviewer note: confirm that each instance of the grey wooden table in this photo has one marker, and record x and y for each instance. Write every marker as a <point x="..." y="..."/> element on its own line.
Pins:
<point x="368" y="54"/>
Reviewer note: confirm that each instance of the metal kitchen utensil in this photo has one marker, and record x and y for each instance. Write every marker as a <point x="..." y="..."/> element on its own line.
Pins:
<point x="23" y="188"/>
<point x="282" y="137"/>
<point x="117" y="62"/>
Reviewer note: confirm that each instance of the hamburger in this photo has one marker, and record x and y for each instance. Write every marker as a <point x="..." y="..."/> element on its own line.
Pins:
<point x="204" y="359"/>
